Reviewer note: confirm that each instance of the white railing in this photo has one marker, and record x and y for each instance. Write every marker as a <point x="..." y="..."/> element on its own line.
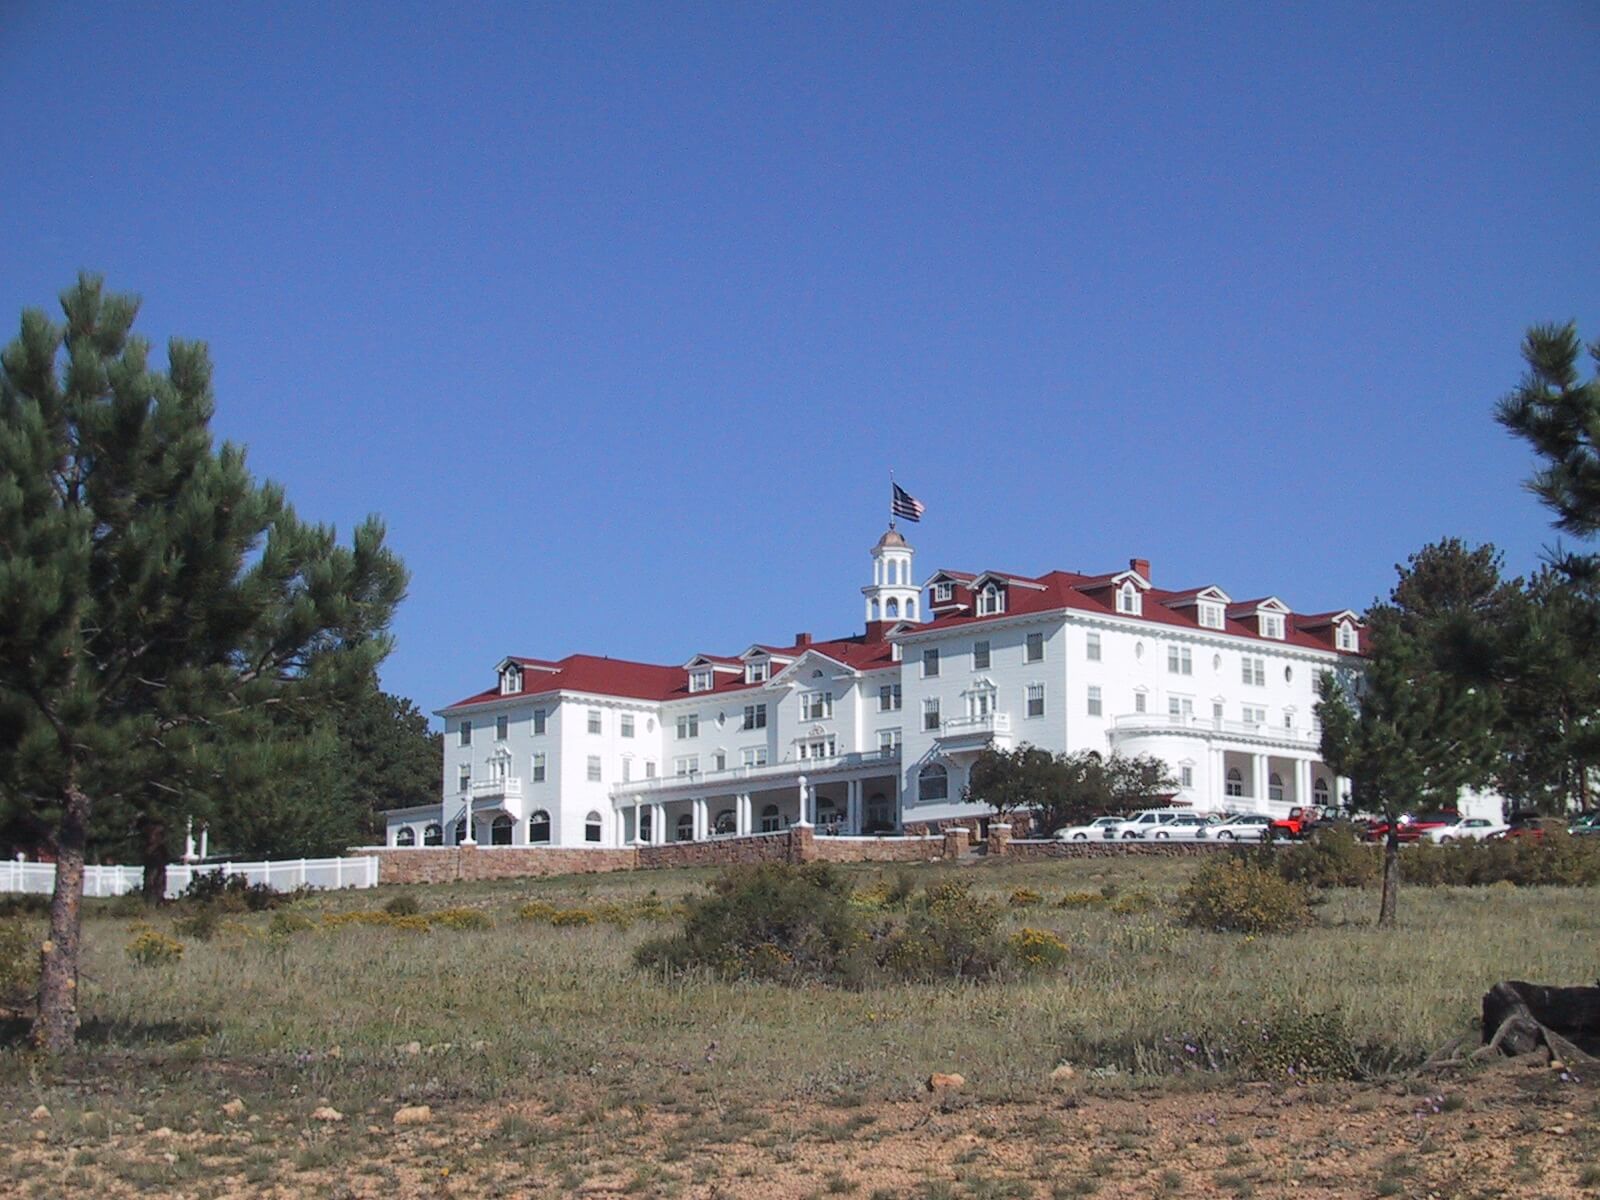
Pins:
<point x="791" y="768"/>
<point x="995" y="722"/>
<point x="1188" y="723"/>
<point x="281" y="875"/>
<point x="506" y="785"/>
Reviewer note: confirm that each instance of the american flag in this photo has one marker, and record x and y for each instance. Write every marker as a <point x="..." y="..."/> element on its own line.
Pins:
<point x="905" y="505"/>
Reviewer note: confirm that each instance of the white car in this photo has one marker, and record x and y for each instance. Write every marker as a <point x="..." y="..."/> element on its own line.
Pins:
<point x="1145" y="820"/>
<point x="1095" y="830"/>
<point x="1184" y="827"/>
<point x="1468" y="829"/>
<point x="1251" y="827"/>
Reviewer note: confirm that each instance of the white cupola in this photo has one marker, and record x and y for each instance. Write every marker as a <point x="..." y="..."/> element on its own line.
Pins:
<point x="893" y="596"/>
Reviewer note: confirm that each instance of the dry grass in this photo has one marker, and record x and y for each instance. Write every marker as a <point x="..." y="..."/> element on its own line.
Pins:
<point x="367" y="1017"/>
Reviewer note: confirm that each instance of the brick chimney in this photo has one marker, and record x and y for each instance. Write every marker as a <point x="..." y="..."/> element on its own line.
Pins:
<point x="1141" y="565"/>
<point x="802" y="639"/>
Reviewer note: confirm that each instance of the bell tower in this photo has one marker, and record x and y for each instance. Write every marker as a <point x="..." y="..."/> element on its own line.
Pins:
<point x="893" y="594"/>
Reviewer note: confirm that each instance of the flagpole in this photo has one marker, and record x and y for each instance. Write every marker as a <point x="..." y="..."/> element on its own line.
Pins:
<point x="891" y="497"/>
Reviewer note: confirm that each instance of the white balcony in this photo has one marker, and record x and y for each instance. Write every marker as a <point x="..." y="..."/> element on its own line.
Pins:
<point x="772" y="774"/>
<point x="1214" y="728"/>
<point x="975" y="733"/>
<point x="506" y="787"/>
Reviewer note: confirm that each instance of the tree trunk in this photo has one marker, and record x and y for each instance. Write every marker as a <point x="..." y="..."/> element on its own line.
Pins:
<point x="1391" y="877"/>
<point x="155" y="857"/>
<point x="56" y="1026"/>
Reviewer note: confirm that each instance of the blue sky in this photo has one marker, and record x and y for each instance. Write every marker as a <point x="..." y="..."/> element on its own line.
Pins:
<point x="620" y="315"/>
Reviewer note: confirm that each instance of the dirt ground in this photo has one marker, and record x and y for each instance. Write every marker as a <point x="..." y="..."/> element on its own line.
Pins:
<point x="1516" y="1128"/>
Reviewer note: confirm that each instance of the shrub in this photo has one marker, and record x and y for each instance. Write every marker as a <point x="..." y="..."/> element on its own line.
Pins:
<point x="19" y="963"/>
<point x="1025" y="898"/>
<point x="1037" y="948"/>
<point x="1559" y="860"/>
<point x="381" y="920"/>
<point x="1236" y="894"/>
<point x="536" y="910"/>
<point x="454" y="918"/>
<point x="1130" y="903"/>
<point x="1304" y="1046"/>
<point x="403" y="905"/>
<point x="232" y="893"/>
<point x="201" y="924"/>
<point x="1330" y="858"/>
<point x="152" y="949"/>
<point x="570" y="917"/>
<point x="286" y="924"/>
<point x="1081" y="900"/>
<point x="950" y="935"/>
<point x="772" y="922"/>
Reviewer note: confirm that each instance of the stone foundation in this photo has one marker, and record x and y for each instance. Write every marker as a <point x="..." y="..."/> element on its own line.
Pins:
<point x="798" y="844"/>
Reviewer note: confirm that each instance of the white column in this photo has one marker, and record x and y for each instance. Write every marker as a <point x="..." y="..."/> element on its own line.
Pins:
<point x="700" y="830"/>
<point x="1339" y="782"/>
<point x="188" y="840"/>
<point x="1258" y="781"/>
<point x="804" y="794"/>
<point x="637" y="810"/>
<point x="741" y="814"/>
<point x="1302" y="781"/>
<point x="205" y="841"/>
<point x="1217" y="778"/>
<point x="852" y="805"/>
<point x="658" y="824"/>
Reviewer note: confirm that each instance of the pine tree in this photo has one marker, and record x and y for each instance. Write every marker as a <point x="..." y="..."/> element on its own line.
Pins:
<point x="152" y="594"/>
<point x="1558" y="413"/>
<point x="1414" y="727"/>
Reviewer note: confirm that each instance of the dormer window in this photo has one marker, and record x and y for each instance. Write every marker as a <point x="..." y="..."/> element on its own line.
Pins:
<point x="1129" y="600"/>
<point x="991" y="600"/>
<point x="757" y="670"/>
<point x="1347" y="637"/>
<point x="943" y="592"/>
<point x="1210" y="615"/>
<point x="700" y="679"/>
<point x="510" y="681"/>
<point x="1271" y="625"/>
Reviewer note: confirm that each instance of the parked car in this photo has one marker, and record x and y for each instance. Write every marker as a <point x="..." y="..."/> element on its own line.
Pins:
<point x="1250" y="827"/>
<point x="1095" y="830"/>
<point x="1585" y="826"/>
<point x="1146" y="819"/>
<point x="1184" y="827"/>
<point x="1467" y="829"/>
<point x="1298" y="823"/>
<point x="1534" y="828"/>
<point x="1413" y="826"/>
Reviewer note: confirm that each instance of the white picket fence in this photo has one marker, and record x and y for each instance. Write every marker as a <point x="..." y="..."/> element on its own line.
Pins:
<point x="281" y="875"/>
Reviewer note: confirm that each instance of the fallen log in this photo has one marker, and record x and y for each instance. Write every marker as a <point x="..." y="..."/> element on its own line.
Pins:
<point x="1519" y="1017"/>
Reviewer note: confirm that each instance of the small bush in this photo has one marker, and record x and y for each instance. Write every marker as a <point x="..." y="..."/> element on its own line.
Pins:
<point x="1238" y="895"/>
<point x="1330" y="858"/>
<point x="456" y="918"/>
<point x="380" y="920"/>
<point x="26" y="904"/>
<point x="1037" y="948"/>
<point x="201" y="924"/>
<point x="536" y="910"/>
<point x="572" y="917"/>
<point x="19" y="963"/>
<point x="1131" y="903"/>
<point x="1305" y="1046"/>
<point x="950" y="935"/>
<point x="403" y="905"/>
<point x="1559" y="860"/>
<point x="152" y="949"/>
<point x="1081" y="900"/>
<point x="770" y="922"/>
<point x="1024" y="898"/>
<point x="233" y="893"/>
<point x="287" y="924"/>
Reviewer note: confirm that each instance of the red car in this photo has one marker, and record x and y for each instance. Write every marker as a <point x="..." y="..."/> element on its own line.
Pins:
<point x="1297" y="823"/>
<point x="1532" y="828"/>
<point x="1412" y="825"/>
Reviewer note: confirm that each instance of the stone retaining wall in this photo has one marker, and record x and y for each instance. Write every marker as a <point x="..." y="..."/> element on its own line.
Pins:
<point x="770" y="847"/>
<point x="853" y="850"/>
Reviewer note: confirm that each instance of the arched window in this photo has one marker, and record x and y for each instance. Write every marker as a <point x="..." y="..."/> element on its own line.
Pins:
<point x="539" y="826"/>
<point x="891" y="608"/>
<point x="933" y="783"/>
<point x="880" y="816"/>
<point x="1319" y="793"/>
<point x="726" y="822"/>
<point x="433" y="834"/>
<point x="592" y="827"/>
<point x="990" y="600"/>
<point x="1128" y="599"/>
<point x="500" y="831"/>
<point x="769" y="819"/>
<point x="1275" y="787"/>
<point x="461" y="831"/>
<point x="1235" y="782"/>
<point x="873" y="609"/>
<point x="405" y="836"/>
<point x="911" y="609"/>
<point x="685" y="828"/>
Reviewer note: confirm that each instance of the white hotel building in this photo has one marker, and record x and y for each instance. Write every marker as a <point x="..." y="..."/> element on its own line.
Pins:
<point x="876" y="732"/>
